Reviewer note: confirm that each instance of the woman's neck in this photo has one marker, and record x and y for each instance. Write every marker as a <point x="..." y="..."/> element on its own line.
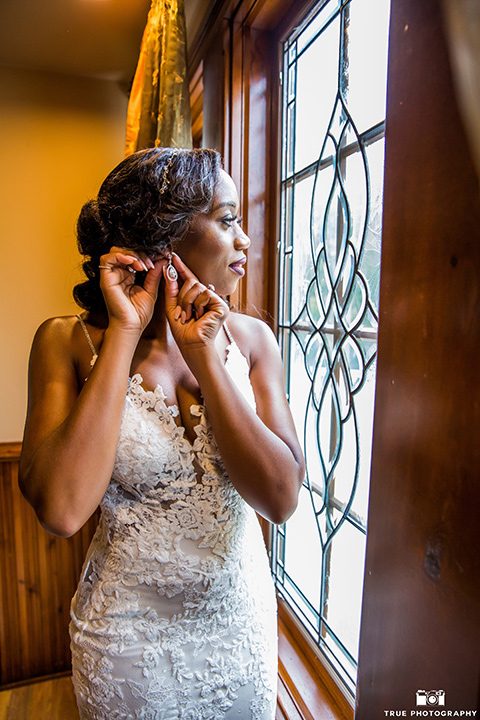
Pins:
<point x="158" y="327"/>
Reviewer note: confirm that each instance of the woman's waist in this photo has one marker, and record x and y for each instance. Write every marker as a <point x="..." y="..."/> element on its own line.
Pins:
<point x="127" y="572"/>
<point x="141" y="536"/>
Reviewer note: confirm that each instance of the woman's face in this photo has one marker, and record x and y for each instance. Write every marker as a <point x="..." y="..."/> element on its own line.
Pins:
<point x="214" y="246"/>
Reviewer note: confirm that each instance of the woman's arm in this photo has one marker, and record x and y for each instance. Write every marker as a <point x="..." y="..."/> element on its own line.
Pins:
<point x="71" y="437"/>
<point x="260" y="451"/>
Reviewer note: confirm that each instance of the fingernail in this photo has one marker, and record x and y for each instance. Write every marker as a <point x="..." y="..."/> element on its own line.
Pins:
<point x="177" y="313"/>
<point x="184" y="317"/>
<point x="150" y="264"/>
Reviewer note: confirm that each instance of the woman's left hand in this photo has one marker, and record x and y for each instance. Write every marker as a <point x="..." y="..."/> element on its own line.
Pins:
<point x="195" y="312"/>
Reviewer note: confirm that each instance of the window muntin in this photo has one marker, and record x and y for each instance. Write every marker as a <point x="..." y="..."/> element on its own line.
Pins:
<point x="334" y="78"/>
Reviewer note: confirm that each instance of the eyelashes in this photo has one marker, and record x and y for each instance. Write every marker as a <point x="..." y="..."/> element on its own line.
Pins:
<point x="230" y="220"/>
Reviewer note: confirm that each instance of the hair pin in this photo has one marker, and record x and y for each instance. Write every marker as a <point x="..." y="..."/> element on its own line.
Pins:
<point x="166" y="170"/>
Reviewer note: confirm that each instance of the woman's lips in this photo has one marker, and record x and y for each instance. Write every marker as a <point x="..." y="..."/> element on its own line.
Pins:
<point x="238" y="268"/>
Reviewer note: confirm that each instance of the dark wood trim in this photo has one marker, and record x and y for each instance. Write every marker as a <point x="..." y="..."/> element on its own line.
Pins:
<point x="30" y="681"/>
<point x="221" y="11"/>
<point x="421" y="605"/>
<point x="10" y="451"/>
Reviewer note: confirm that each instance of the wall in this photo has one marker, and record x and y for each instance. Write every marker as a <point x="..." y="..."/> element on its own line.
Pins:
<point x="38" y="577"/>
<point x="421" y="609"/>
<point x="61" y="135"/>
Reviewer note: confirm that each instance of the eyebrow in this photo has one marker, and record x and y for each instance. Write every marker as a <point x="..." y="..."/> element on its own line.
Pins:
<point x="228" y="203"/>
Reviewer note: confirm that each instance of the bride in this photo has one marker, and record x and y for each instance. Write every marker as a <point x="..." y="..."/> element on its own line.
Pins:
<point x="168" y="411"/>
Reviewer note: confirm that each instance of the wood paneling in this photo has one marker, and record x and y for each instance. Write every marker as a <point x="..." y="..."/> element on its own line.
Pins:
<point x="38" y="577"/>
<point x="420" y="623"/>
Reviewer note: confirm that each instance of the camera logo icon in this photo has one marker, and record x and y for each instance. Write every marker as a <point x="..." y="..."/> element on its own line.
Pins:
<point x="430" y="698"/>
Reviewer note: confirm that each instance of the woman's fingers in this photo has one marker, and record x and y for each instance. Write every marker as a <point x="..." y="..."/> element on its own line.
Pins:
<point x="126" y="260"/>
<point x="191" y="289"/>
<point x="193" y="299"/>
<point x="184" y="272"/>
<point x="202" y="301"/>
<point x="130" y="303"/>
<point x="193" y="296"/>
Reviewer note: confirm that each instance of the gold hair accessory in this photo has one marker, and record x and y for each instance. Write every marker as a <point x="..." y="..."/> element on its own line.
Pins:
<point x="166" y="170"/>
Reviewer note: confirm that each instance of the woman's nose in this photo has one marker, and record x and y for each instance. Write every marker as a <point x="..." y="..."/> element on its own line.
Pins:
<point x="242" y="241"/>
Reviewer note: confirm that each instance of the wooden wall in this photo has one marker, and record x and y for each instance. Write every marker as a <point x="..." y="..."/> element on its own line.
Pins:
<point x="421" y="610"/>
<point x="38" y="577"/>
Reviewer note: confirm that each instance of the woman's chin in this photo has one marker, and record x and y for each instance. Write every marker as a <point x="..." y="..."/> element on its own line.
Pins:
<point x="232" y="286"/>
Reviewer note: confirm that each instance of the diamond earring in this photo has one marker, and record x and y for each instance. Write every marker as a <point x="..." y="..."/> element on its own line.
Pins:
<point x="171" y="271"/>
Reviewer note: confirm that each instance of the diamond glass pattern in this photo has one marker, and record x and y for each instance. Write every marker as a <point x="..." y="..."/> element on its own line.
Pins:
<point x="332" y="193"/>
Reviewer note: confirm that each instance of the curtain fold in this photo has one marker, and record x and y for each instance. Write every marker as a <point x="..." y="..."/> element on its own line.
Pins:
<point x="463" y="34"/>
<point x="159" y="106"/>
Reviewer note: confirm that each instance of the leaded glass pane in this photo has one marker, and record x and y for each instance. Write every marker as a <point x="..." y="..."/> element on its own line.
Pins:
<point x="316" y="90"/>
<point x="332" y="194"/>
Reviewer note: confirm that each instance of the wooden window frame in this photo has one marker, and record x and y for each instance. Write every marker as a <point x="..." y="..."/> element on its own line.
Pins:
<point x="304" y="682"/>
<point x="250" y="35"/>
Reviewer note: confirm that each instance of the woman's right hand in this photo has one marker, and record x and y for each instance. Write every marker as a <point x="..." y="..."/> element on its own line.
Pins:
<point x="129" y="306"/>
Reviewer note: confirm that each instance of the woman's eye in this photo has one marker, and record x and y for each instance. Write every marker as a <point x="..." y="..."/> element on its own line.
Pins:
<point x="230" y="220"/>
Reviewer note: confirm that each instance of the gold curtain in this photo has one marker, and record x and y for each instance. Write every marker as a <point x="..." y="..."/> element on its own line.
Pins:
<point x="159" y="106"/>
<point x="463" y="34"/>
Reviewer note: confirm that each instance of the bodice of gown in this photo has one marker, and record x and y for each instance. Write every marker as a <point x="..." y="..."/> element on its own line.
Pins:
<point x="176" y="583"/>
<point x="170" y="513"/>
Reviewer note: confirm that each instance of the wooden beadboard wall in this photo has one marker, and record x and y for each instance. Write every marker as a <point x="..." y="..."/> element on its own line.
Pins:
<point x="38" y="577"/>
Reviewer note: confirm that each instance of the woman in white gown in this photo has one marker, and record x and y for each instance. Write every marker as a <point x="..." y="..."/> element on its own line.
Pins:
<point x="169" y="412"/>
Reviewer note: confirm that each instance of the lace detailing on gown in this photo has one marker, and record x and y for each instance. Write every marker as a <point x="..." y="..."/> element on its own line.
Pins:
<point x="174" y="616"/>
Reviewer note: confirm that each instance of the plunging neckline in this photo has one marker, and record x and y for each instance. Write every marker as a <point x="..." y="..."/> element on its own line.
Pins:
<point x="157" y="395"/>
<point x="235" y="362"/>
<point x="159" y="388"/>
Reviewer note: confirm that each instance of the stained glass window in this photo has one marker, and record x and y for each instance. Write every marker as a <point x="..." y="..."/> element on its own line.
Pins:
<point x="334" y="89"/>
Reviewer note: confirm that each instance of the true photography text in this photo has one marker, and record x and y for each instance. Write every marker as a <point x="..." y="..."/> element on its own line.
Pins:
<point x="431" y="713"/>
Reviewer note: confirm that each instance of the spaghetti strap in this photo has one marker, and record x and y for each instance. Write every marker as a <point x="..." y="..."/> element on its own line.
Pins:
<point x="228" y="333"/>
<point x="89" y="340"/>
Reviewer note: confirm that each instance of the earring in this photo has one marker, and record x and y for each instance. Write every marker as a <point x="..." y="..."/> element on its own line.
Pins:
<point x="171" y="271"/>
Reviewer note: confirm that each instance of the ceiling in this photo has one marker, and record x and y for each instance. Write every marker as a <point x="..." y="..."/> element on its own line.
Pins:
<point x="99" y="38"/>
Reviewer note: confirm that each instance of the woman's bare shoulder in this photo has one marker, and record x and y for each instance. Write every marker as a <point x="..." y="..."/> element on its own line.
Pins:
<point x="253" y="336"/>
<point x="56" y="329"/>
<point x="66" y="331"/>
<point x="59" y="341"/>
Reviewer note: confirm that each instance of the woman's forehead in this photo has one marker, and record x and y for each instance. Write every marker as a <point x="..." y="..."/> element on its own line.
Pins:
<point x="225" y="192"/>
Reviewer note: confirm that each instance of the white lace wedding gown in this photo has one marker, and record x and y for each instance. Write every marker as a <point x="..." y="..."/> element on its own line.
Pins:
<point x="174" y="617"/>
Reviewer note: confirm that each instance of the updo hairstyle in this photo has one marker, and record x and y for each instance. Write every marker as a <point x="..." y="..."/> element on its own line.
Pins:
<point x="145" y="204"/>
